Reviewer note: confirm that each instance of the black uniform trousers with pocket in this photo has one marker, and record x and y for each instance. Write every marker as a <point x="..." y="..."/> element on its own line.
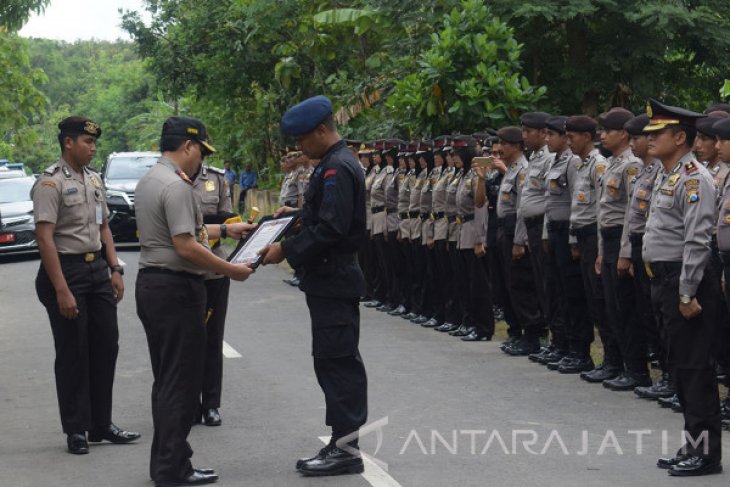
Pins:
<point x="337" y="363"/>
<point x="217" y="306"/>
<point x="86" y="347"/>
<point x="171" y="306"/>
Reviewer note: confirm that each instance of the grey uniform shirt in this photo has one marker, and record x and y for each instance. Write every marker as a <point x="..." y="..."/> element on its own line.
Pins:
<point x="451" y="208"/>
<point x="532" y="202"/>
<point x="166" y="206"/>
<point x="441" y="224"/>
<point x="588" y="176"/>
<point x="510" y="193"/>
<point x="681" y="219"/>
<point x="723" y="220"/>
<point x="471" y="232"/>
<point x="212" y="190"/>
<point x="369" y="178"/>
<point x="377" y="200"/>
<point x="560" y="181"/>
<point x="404" y="201"/>
<point x="414" y="205"/>
<point x="426" y="207"/>
<point x="391" y="184"/>
<point x="289" y="189"/>
<point x="641" y="197"/>
<point x="75" y="203"/>
<point x="615" y="195"/>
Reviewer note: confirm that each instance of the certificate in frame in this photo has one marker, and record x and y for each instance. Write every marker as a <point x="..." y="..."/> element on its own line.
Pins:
<point x="268" y="231"/>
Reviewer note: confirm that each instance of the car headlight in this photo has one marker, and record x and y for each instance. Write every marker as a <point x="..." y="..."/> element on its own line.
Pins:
<point x="118" y="198"/>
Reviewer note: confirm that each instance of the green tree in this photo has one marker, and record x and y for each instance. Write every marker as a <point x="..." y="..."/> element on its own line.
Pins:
<point x="468" y="78"/>
<point x="15" y="13"/>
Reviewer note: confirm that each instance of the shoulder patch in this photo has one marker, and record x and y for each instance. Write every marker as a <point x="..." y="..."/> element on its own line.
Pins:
<point x="632" y="171"/>
<point x="330" y="173"/>
<point x="48" y="183"/>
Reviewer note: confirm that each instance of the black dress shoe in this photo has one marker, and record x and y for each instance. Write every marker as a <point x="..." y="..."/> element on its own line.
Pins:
<point x="204" y="471"/>
<point x="662" y="388"/>
<point x="211" y="417"/>
<point x="474" y="336"/>
<point x="295" y="283"/>
<point x="432" y="323"/>
<point x="331" y="460"/>
<point x="601" y="373"/>
<point x="566" y="360"/>
<point x="628" y="381"/>
<point x="385" y="308"/>
<point x="77" y="443"/>
<point x="418" y="320"/>
<point x="578" y="365"/>
<point x="409" y="316"/>
<point x="554" y="356"/>
<point x="462" y="331"/>
<point x="372" y="304"/>
<point x="695" y="466"/>
<point x="667" y="463"/>
<point x="508" y="342"/>
<point x="667" y="402"/>
<point x="195" y="478"/>
<point x="399" y="311"/>
<point x="523" y="348"/>
<point x="535" y="357"/>
<point x="113" y="434"/>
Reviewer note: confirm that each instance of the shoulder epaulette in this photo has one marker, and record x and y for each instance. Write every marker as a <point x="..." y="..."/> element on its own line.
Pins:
<point x="52" y="170"/>
<point x="216" y="170"/>
<point x="91" y="169"/>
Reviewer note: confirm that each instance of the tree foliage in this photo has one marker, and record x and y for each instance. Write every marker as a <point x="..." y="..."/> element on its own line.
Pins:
<point x="14" y="13"/>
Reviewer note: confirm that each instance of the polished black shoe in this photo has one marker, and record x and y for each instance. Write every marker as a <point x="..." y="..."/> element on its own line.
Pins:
<point x="577" y="366"/>
<point x="498" y="313"/>
<point x="535" y="357"/>
<point x="113" y="434"/>
<point x="555" y="356"/>
<point x="372" y="304"/>
<point x="77" y="443"/>
<point x="725" y="424"/>
<point x="668" y="402"/>
<point x="195" y="478"/>
<point x="677" y="406"/>
<point x="445" y="326"/>
<point x="409" y="316"/>
<point x="567" y="359"/>
<point x="462" y="331"/>
<point x="399" y="311"/>
<point x="628" y="381"/>
<point x="662" y="388"/>
<point x="419" y="319"/>
<point x="211" y="417"/>
<point x="601" y="373"/>
<point x="331" y="460"/>
<point x="476" y="337"/>
<point x="695" y="466"/>
<point x="667" y="463"/>
<point x="288" y="281"/>
<point x="295" y="283"/>
<point x="523" y="348"/>
<point x="385" y="308"/>
<point x="432" y="323"/>
<point x="508" y="342"/>
<point x="204" y="471"/>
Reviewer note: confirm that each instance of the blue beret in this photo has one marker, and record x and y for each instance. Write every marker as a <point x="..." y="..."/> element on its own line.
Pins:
<point x="304" y="117"/>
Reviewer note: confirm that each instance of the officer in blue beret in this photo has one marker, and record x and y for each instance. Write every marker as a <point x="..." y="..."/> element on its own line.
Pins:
<point x="325" y="251"/>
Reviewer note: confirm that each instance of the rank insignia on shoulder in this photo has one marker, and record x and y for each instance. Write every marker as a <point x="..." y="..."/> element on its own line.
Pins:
<point x="673" y="179"/>
<point x="690" y="167"/>
<point x="66" y="172"/>
<point x="692" y="196"/>
<point x="184" y="176"/>
<point x="52" y="170"/>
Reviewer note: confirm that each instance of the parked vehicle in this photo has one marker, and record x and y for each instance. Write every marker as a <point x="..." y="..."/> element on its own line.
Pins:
<point x="17" y="228"/>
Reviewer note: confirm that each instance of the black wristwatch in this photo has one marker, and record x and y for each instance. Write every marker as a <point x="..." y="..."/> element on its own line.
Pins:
<point x="119" y="269"/>
<point x="224" y="231"/>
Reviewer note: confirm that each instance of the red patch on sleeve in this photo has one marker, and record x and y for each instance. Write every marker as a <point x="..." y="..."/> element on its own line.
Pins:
<point x="331" y="172"/>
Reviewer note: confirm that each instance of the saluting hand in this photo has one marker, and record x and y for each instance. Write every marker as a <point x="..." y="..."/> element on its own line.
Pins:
<point x="67" y="304"/>
<point x="272" y="254"/>
<point x="690" y="310"/>
<point x="237" y="231"/>
<point x="117" y="286"/>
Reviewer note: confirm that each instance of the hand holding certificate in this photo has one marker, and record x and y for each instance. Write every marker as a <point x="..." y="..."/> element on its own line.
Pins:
<point x="269" y="231"/>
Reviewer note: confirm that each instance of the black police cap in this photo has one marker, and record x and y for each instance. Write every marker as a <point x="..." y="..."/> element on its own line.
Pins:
<point x="704" y="125"/>
<point x="636" y="125"/>
<point x="662" y="116"/>
<point x="557" y="124"/>
<point x="718" y="107"/>
<point x="190" y="128"/>
<point x="76" y="125"/>
<point x="581" y="123"/>
<point x="721" y="129"/>
<point x="512" y="135"/>
<point x="616" y="118"/>
<point x="535" y="120"/>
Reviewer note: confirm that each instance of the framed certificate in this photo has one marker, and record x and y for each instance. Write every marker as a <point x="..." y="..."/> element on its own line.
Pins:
<point x="269" y="230"/>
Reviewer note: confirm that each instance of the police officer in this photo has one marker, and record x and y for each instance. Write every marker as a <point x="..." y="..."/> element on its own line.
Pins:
<point x="685" y="292"/>
<point x="171" y="295"/>
<point x="422" y="162"/>
<point x="614" y="256"/>
<point x="394" y="257"/>
<point x="79" y="283"/>
<point x="379" y="227"/>
<point x="403" y="233"/>
<point x="289" y="192"/>
<point x="214" y="193"/>
<point x="333" y="224"/>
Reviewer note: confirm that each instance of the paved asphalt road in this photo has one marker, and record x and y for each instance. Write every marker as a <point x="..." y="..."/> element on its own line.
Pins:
<point x="437" y="393"/>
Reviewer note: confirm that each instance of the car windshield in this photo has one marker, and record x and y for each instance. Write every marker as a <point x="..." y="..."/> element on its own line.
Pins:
<point x="14" y="190"/>
<point x="129" y="167"/>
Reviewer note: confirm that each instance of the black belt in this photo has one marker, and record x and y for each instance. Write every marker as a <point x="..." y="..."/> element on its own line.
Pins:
<point x="509" y="220"/>
<point x="612" y="232"/>
<point x="413" y="214"/>
<point x="556" y="226"/>
<point x="588" y="230"/>
<point x="659" y="269"/>
<point x="466" y="218"/>
<point x="534" y="221"/>
<point x="377" y="209"/>
<point x="403" y="216"/>
<point x="390" y="211"/>
<point x="451" y="219"/>
<point x="425" y="215"/>
<point x="160" y="270"/>
<point x="88" y="257"/>
<point x="438" y="215"/>
<point x="636" y="239"/>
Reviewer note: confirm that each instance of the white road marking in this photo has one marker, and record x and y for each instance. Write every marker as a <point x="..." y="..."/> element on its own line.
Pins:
<point x="229" y="351"/>
<point x="376" y="476"/>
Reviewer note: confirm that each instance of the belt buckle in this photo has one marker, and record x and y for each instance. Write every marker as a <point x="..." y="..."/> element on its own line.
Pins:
<point x="459" y="221"/>
<point x="89" y="257"/>
<point x="649" y="273"/>
<point x="433" y="216"/>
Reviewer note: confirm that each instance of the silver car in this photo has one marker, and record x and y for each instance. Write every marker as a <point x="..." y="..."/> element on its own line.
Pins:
<point x="17" y="228"/>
